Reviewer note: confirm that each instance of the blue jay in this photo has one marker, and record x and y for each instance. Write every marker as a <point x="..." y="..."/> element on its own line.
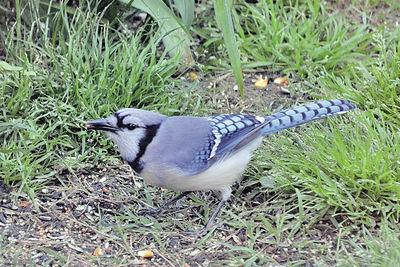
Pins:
<point x="186" y="153"/>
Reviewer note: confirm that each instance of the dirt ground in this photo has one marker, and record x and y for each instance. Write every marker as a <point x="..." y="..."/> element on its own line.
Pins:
<point x="92" y="211"/>
<point x="379" y="14"/>
<point x="91" y="217"/>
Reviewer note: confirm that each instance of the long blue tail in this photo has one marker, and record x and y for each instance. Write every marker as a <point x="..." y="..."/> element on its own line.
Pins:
<point x="299" y="115"/>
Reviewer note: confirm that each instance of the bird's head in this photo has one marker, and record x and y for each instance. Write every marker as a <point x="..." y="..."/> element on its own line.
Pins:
<point x="128" y="128"/>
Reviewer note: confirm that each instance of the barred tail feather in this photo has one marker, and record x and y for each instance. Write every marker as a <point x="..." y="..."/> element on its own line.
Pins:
<point x="299" y="115"/>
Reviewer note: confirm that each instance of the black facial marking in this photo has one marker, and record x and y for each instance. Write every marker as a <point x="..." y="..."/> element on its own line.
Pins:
<point x="151" y="131"/>
<point x="120" y="124"/>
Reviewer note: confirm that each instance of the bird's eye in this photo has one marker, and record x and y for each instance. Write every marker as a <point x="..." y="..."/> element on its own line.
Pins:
<point x="131" y="126"/>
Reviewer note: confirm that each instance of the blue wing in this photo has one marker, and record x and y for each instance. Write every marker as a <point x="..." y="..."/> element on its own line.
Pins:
<point x="228" y="134"/>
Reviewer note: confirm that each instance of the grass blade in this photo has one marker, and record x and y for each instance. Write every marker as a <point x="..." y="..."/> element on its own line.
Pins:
<point x="224" y="20"/>
<point x="186" y="10"/>
<point x="176" y="40"/>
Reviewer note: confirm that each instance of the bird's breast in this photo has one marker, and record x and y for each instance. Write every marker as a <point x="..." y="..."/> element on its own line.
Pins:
<point x="220" y="175"/>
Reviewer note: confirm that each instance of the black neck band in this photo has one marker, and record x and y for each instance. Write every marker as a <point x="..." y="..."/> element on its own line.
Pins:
<point x="151" y="131"/>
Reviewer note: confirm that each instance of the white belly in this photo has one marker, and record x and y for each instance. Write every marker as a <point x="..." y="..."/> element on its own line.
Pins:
<point x="219" y="176"/>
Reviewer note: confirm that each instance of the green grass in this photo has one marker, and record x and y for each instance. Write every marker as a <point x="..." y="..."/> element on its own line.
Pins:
<point x="349" y="167"/>
<point x="371" y="250"/>
<point x="375" y="87"/>
<point x="83" y="70"/>
<point x="299" y="37"/>
<point x="353" y="165"/>
<point x="323" y="194"/>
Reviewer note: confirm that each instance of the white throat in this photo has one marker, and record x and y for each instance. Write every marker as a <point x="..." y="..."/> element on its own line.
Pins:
<point x="128" y="142"/>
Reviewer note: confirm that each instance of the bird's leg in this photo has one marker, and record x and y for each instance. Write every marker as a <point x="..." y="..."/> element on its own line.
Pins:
<point x="164" y="206"/>
<point x="225" y="194"/>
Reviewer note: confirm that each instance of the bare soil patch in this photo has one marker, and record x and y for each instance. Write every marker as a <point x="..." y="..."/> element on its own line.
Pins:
<point x="96" y="209"/>
<point x="222" y="95"/>
<point x="377" y="15"/>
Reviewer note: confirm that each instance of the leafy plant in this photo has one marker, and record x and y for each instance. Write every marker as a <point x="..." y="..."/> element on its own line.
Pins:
<point x="225" y="22"/>
<point x="175" y="30"/>
<point x="175" y="38"/>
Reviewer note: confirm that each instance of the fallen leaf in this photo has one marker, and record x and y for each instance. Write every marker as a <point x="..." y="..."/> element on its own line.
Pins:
<point x="24" y="203"/>
<point x="146" y="254"/>
<point x="193" y="76"/>
<point x="98" y="252"/>
<point x="261" y="82"/>
<point x="283" y="81"/>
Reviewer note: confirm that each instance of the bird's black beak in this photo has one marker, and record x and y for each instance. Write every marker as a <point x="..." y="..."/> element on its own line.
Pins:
<point x="101" y="124"/>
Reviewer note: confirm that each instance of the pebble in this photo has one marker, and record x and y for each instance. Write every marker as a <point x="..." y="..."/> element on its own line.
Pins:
<point x="45" y="218"/>
<point x="45" y="190"/>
